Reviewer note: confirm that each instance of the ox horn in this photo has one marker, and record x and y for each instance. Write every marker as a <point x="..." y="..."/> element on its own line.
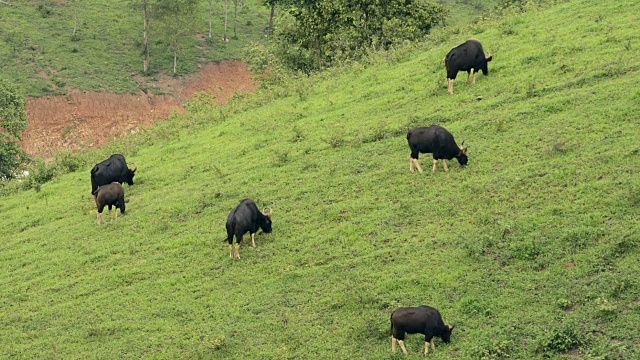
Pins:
<point x="268" y="214"/>
<point x="135" y="167"/>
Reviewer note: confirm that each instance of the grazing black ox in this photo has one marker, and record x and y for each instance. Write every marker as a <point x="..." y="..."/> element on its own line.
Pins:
<point x="438" y="141"/>
<point x="246" y="217"/>
<point x="418" y="320"/>
<point x="110" y="195"/>
<point x="114" y="169"/>
<point x="465" y="57"/>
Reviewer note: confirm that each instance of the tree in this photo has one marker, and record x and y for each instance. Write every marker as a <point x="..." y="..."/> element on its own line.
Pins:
<point x="326" y="32"/>
<point x="226" y="8"/>
<point x="13" y="120"/>
<point x="210" y="19"/>
<point x="177" y="22"/>
<point x="144" y="7"/>
<point x="145" y="35"/>
<point x="236" y="4"/>
<point x="271" y="4"/>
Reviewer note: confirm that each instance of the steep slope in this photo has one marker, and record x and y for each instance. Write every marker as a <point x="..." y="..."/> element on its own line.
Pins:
<point x="532" y="250"/>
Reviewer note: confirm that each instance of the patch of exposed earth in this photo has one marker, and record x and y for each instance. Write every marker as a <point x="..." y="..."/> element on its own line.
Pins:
<point x="81" y="120"/>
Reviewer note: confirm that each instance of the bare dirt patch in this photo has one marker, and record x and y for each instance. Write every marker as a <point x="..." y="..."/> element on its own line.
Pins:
<point x="83" y="120"/>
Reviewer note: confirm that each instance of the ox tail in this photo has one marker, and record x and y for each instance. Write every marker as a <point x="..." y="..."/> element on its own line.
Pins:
<point x="231" y="227"/>
<point x="391" y="320"/>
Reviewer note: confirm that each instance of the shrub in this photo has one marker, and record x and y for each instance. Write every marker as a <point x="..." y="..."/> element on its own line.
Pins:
<point x="562" y="339"/>
<point x="39" y="173"/>
<point x="67" y="162"/>
<point x="201" y="102"/>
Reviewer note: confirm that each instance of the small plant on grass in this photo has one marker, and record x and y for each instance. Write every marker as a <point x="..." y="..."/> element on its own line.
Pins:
<point x="564" y="304"/>
<point x="561" y="339"/>
<point x="298" y="135"/>
<point x="495" y="350"/>
<point x="335" y="140"/>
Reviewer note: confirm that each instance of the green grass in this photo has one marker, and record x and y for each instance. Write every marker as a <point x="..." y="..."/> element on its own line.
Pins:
<point x="529" y="251"/>
<point x="41" y="54"/>
<point x="463" y="12"/>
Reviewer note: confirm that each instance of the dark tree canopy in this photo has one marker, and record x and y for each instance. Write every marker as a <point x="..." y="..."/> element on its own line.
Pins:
<point x="323" y="32"/>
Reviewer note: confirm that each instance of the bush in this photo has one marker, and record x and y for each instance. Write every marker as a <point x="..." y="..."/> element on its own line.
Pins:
<point x="200" y="103"/>
<point x="563" y="339"/>
<point x="13" y="120"/>
<point x="39" y="173"/>
<point x="67" y="162"/>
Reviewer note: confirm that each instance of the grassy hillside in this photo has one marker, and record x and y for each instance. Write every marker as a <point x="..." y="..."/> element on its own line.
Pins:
<point x="42" y="55"/>
<point x="531" y="251"/>
<point x="463" y="12"/>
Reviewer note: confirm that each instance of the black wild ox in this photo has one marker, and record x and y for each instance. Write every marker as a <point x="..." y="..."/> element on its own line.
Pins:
<point x="110" y="195"/>
<point x="438" y="141"/>
<point x="465" y="57"/>
<point x="114" y="169"/>
<point x="246" y="217"/>
<point x="418" y="320"/>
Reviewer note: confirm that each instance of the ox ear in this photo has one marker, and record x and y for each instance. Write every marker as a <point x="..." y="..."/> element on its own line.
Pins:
<point x="489" y="58"/>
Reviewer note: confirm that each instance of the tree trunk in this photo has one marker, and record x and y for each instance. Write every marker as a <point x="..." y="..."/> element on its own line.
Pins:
<point x="175" y="61"/>
<point x="235" y="18"/>
<point x="145" y="40"/>
<point x="75" y="16"/>
<point x="210" y="18"/>
<point x="273" y="14"/>
<point x="226" y="4"/>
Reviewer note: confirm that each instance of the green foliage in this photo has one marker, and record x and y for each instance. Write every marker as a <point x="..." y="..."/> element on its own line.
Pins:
<point x="201" y="102"/>
<point x="561" y="339"/>
<point x="493" y="350"/>
<point x="12" y="157"/>
<point x="67" y="162"/>
<point x="13" y="120"/>
<point x="322" y="34"/>
<point x="39" y="173"/>
<point x="13" y="114"/>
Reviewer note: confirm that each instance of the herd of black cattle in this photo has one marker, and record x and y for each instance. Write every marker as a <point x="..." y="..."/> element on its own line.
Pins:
<point x="107" y="178"/>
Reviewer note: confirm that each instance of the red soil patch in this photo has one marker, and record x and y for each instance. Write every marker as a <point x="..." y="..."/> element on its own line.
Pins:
<point x="83" y="120"/>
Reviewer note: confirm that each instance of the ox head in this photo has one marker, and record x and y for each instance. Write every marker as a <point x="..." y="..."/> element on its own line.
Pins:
<point x="130" y="174"/>
<point x="462" y="155"/>
<point x="484" y="68"/>
<point x="446" y="334"/>
<point x="265" y="224"/>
